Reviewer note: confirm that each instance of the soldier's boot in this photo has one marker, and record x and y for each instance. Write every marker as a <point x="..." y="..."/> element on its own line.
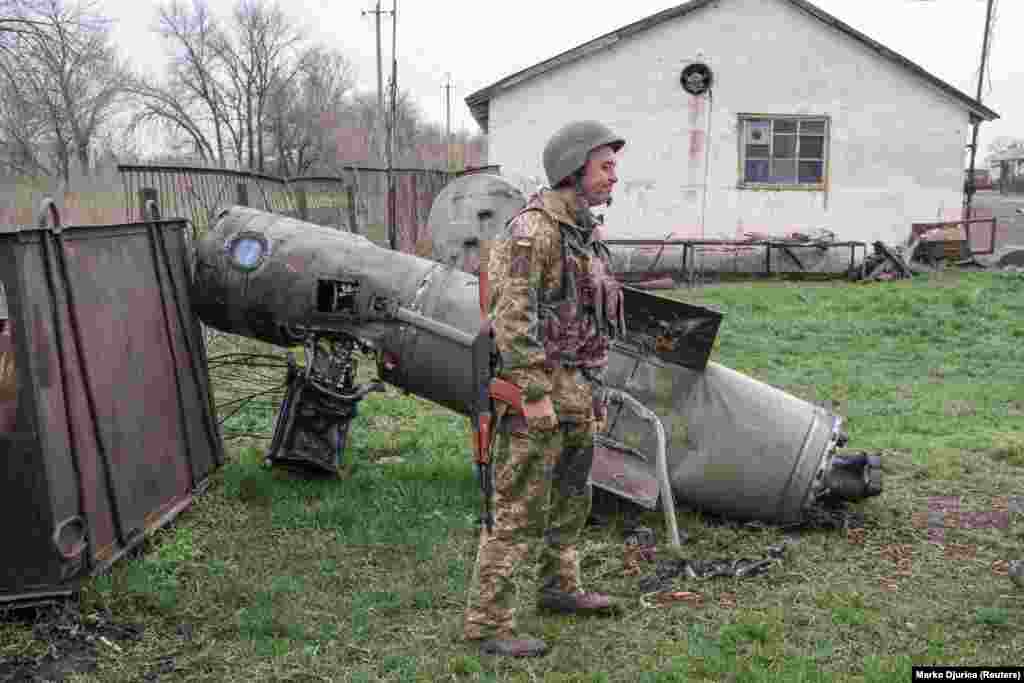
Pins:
<point x="581" y="603"/>
<point x="514" y="646"/>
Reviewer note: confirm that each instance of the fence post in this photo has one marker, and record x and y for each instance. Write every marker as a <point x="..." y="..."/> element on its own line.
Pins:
<point x="145" y="194"/>
<point x="302" y="201"/>
<point x="352" y="213"/>
<point x="242" y="194"/>
<point x="414" y="213"/>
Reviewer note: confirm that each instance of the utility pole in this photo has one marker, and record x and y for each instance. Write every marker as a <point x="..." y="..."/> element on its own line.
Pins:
<point x="969" y="185"/>
<point x="392" y="122"/>
<point x="448" y="120"/>
<point x="380" y="68"/>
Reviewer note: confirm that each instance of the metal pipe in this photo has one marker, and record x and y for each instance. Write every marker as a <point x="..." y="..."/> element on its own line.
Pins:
<point x="440" y="329"/>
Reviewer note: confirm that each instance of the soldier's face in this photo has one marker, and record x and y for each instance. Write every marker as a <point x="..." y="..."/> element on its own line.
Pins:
<point x="599" y="176"/>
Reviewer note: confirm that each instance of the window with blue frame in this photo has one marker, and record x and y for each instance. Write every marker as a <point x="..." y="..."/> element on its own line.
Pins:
<point x="783" y="151"/>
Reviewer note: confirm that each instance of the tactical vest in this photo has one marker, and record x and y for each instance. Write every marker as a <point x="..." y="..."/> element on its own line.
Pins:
<point x="578" y="322"/>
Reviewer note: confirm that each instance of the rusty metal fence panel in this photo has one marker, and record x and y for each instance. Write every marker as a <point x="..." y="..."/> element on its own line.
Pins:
<point x="354" y="200"/>
<point x="195" y="193"/>
<point x="106" y="428"/>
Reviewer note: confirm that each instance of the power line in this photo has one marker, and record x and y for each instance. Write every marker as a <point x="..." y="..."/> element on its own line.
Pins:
<point x="448" y="119"/>
<point x="378" y="12"/>
<point x="969" y="184"/>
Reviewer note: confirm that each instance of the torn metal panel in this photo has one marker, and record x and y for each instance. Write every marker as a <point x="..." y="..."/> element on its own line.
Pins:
<point x="672" y="330"/>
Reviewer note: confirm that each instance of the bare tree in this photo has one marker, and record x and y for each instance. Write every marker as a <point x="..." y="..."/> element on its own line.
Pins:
<point x="191" y="103"/>
<point x="193" y="96"/>
<point x="224" y="79"/>
<point x="63" y="77"/>
<point x="23" y="133"/>
<point x="304" y="113"/>
<point x="262" y="55"/>
<point x="16" y="17"/>
<point x="364" y="114"/>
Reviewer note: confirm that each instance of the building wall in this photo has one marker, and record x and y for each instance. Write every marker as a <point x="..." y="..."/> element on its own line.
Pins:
<point x="896" y="145"/>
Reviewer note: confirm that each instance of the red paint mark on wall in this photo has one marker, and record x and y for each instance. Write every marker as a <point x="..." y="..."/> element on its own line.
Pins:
<point x="696" y="109"/>
<point x="696" y="144"/>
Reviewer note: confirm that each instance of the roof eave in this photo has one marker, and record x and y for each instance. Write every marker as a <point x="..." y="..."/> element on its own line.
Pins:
<point x="973" y="106"/>
<point x="479" y="101"/>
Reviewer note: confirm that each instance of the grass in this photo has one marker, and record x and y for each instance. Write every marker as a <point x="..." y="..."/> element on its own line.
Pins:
<point x="272" y="578"/>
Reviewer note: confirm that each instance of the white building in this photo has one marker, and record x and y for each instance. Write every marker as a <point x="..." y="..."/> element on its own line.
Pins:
<point x="1007" y="170"/>
<point x="807" y="124"/>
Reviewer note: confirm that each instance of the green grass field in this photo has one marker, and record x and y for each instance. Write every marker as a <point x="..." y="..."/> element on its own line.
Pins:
<point x="272" y="578"/>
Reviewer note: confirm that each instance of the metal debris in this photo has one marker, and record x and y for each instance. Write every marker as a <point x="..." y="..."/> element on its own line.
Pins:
<point x="71" y="639"/>
<point x="884" y="264"/>
<point x="828" y="517"/>
<point x="665" y="571"/>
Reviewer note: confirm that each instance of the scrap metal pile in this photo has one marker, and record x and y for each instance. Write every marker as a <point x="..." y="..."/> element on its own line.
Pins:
<point x="934" y="246"/>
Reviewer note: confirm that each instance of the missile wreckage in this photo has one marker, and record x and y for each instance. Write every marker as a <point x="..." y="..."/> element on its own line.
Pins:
<point x="732" y="446"/>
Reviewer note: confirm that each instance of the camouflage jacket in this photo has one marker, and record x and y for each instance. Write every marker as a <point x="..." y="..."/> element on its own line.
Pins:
<point x="554" y="301"/>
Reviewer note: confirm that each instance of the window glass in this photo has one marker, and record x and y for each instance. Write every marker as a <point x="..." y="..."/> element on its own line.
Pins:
<point x="784" y="171"/>
<point x="758" y="151"/>
<point x="758" y="131"/>
<point x="784" y="151"/>
<point x="812" y="127"/>
<point x="785" y="147"/>
<point x="757" y="171"/>
<point x="811" y="147"/>
<point x="810" y="172"/>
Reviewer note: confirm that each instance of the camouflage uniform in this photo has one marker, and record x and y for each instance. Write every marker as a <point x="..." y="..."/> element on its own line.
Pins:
<point x="554" y="306"/>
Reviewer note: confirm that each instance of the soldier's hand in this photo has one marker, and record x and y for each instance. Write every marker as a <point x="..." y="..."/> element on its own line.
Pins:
<point x="600" y="410"/>
<point x="540" y="413"/>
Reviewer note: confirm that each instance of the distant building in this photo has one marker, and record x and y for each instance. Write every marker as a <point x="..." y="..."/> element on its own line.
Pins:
<point x="807" y="124"/>
<point x="1007" y="169"/>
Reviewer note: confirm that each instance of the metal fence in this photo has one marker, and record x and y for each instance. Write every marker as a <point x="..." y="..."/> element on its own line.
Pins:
<point x="354" y="200"/>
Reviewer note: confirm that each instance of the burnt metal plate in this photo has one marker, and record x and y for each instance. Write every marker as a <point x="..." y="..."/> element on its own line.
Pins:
<point x="674" y="331"/>
<point x="617" y="470"/>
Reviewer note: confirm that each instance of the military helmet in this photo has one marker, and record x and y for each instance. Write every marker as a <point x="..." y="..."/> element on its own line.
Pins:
<point x="567" y="150"/>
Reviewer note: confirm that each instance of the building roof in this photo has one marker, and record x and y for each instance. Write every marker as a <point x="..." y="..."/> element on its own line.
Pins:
<point x="1011" y="154"/>
<point x="479" y="101"/>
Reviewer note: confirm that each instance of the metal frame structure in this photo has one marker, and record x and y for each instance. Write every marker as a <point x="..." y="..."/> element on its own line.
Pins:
<point x="689" y="247"/>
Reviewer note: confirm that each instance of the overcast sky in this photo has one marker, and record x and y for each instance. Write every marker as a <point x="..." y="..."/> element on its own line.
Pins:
<point x="480" y="41"/>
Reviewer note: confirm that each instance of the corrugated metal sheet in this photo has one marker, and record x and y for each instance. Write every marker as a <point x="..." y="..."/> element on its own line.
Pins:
<point x="106" y="428"/>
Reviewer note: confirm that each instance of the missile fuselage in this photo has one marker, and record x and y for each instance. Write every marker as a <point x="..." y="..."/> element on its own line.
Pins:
<point x="735" y="446"/>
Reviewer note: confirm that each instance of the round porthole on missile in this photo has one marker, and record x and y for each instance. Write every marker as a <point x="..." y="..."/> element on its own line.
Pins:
<point x="247" y="251"/>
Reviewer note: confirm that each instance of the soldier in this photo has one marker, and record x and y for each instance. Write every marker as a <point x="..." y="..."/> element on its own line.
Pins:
<point x="554" y="308"/>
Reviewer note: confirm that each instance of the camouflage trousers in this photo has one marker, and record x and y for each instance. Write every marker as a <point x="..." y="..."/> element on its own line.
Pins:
<point x="542" y="497"/>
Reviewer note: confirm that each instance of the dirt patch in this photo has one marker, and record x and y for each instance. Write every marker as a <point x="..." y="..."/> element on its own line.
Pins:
<point x="71" y="641"/>
<point x="959" y="408"/>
